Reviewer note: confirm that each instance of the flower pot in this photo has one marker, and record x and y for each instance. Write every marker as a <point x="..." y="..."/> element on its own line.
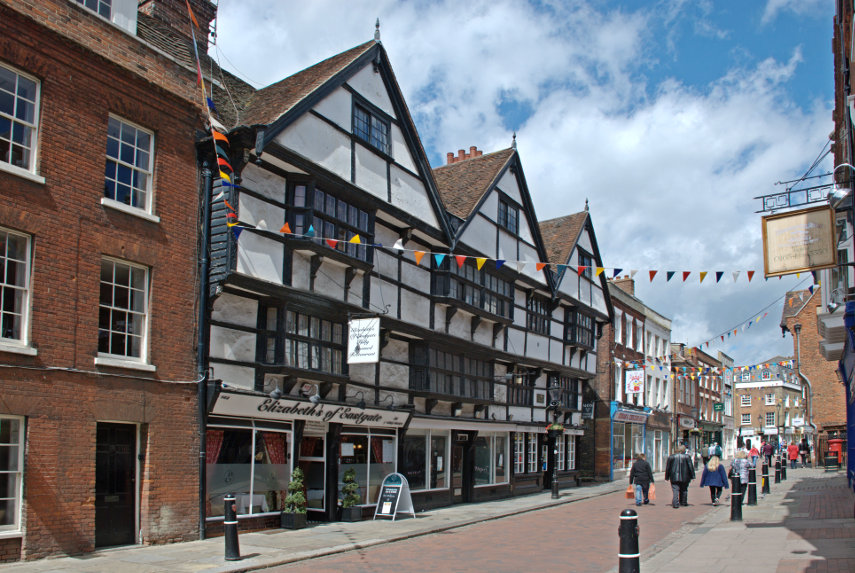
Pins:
<point x="293" y="520"/>
<point x="351" y="513"/>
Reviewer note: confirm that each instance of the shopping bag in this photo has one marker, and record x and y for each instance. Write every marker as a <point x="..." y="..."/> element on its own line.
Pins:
<point x="630" y="491"/>
<point x="651" y="493"/>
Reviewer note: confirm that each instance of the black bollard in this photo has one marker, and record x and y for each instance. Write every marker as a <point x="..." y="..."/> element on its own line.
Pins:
<point x="777" y="470"/>
<point x="629" y="557"/>
<point x="230" y="532"/>
<point x="784" y="469"/>
<point x="766" y="488"/>
<point x="752" y="487"/>
<point x="736" y="498"/>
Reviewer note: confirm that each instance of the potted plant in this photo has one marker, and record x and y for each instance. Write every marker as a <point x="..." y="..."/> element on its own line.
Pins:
<point x="554" y="429"/>
<point x="294" y="513"/>
<point x="350" y="499"/>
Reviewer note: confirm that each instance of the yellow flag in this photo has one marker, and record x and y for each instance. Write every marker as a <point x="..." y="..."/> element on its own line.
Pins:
<point x="356" y="240"/>
<point x="479" y="262"/>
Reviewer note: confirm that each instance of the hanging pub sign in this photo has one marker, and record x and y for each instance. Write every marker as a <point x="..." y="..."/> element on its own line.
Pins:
<point x="394" y="497"/>
<point x="799" y="241"/>
<point x="634" y="381"/>
<point x="587" y="410"/>
<point x="363" y="341"/>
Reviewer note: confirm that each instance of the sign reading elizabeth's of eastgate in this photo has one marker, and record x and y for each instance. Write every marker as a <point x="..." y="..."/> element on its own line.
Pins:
<point x="363" y="341"/>
<point x="282" y="409"/>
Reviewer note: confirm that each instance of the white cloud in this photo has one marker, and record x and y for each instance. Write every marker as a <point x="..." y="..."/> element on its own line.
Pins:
<point x="775" y="7"/>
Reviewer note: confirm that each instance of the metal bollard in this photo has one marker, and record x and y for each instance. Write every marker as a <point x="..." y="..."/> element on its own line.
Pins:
<point x="230" y="532"/>
<point x="752" y="487"/>
<point x="629" y="556"/>
<point x="777" y="470"/>
<point x="736" y="498"/>
<point x="766" y="488"/>
<point x="784" y="469"/>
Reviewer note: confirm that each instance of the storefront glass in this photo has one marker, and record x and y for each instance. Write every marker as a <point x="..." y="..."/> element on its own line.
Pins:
<point x="414" y="461"/>
<point x="618" y="442"/>
<point x="372" y="457"/>
<point x="438" y="474"/>
<point x="490" y="456"/>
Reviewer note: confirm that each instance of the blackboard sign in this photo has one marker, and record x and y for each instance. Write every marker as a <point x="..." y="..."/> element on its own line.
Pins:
<point x="394" y="497"/>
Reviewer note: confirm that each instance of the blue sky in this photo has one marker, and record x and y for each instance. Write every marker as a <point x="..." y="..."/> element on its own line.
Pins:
<point x="668" y="117"/>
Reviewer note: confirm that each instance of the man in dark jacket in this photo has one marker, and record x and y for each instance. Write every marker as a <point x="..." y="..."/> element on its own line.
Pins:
<point x="641" y="475"/>
<point x="679" y="471"/>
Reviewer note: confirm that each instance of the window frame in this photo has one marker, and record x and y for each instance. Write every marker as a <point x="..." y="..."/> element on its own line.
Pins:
<point x="589" y="262"/>
<point x="375" y="118"/>
<point x="538" y="314"/>
<point x="508" y="215"/>
<point x="100" y="4"/>
<point x="769" y="400"/>
<point x="30" y="127"/>
<point x="745" y="400"/>
<point x="478" y="289"/>
<point x="288" y="336"/>
<point x="18" y="473"/>
<point x="572" y="328"/>
<point x="767" y="418"/>
<point x="23" y="338"/>
<point x="531" y="453"/>
<point x="111" y="358"/>
<point x="745" y="419"/>
<point x="111" y="198"/>
<point x="571" y="389"/>
<point x="445" y="373"/>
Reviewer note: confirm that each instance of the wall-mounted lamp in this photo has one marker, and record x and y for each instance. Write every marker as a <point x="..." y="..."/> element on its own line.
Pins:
<point x="361" y="403"/>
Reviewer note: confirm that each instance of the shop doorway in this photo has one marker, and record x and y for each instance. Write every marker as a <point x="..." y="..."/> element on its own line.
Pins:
<point x="457" y="489"/>
<point x="115" y="478"/>
<point x="313" y="463"/>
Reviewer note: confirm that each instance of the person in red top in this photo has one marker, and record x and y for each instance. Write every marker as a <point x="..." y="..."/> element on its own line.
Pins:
<point x="793" y="454"/>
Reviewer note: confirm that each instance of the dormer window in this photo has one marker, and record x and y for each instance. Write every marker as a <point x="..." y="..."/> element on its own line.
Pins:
<point x="509" y="216"/>
<point x="371" y="128"/>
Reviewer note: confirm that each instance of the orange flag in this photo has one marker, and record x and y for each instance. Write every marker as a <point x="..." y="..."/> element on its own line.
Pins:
<point x="418" y="255"/>
<point x="286" y="228"/>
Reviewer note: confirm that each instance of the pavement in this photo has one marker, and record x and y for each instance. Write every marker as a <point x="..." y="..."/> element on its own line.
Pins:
<point x="806" y="524"/>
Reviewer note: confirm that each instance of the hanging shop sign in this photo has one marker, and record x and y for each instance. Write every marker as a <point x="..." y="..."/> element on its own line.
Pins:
<point x="363" y="341"/>
<point x="634" y="381"/>
<point x="254" y="406"/>
<point x="718" y="406"/>
<point x="394" y="497"/>
<point x="588" y="411"/>
<point x="686" y="422"/>
<point x="799" y="241"/>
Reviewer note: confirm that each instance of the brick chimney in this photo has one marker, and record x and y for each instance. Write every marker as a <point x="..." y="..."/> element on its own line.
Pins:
<point x="626" y="284"/>
<point x="462" y="155"/>
<point x="173" y="13"/>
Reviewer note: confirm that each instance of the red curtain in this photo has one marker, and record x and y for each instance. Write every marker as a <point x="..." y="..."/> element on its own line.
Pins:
<point x="377" y="450"/>
<point x="214" y="441"/>
<point x="274" y="445"/>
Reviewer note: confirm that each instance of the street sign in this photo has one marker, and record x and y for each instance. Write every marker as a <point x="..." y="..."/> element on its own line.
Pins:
<point x="718" y="406"/>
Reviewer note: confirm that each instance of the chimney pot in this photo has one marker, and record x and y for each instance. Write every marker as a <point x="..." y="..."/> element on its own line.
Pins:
<point x="449" y="158"/>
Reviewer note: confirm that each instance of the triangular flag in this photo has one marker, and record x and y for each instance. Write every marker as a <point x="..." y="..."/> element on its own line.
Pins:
<point x="499" y="263"/>
<point x="686" y="275"/>
<point x="750" y="275"/>
<point x="718" y="275"/>
<point x="221" y="152"/>
<point x="461" y="259"/>
<point x="311" y="231"/>
<point x="616" y="273"/>
<point x="560" y="268"/>
<point x="286" y="228"/>
<point x="237" y="232"/>
<point x="580" y="270"/>
<point x="332" y="243"/>
<point x="211" y="105"/>
<point x="219" y="136"/>
<point x="214" y="122"/>
<point x="520" y="266"/>
<point x="225" y="176"/>
<point x="539" y="266"/>
<point x="355" y="240"/>
<point x="600" y="270"/>
<point x="668" y="275"/>
<point x="399" y="245"/>
<point x="735" y="275"/>
<point x="418" y="255"/>
<point x="703" y="275"/>
<point x="220" y="195"/>
<point x="632" y="273"/>
<point x="224" y="164"/>
<point x="652" y="274"/>
<point x="479" y="262"/>
<point x="439" y="257"/>
<point x="232" y="224"/>
<point x="235" y="216"/>
<point x="192" y="16"/>
<point x="228" y="205"/>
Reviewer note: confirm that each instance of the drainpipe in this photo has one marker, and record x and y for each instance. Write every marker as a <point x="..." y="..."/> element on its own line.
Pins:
<point x="202" y="340"/>
<point x="797" y="328"/>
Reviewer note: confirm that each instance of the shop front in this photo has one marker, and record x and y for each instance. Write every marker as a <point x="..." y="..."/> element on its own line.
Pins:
<point x="253" y="443"/>
<point x="628" y="430"/>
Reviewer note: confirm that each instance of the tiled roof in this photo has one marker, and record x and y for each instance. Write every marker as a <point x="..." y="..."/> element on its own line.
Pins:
<point x="267" y="104"/>
<point x="462" y="184"/>
<point x="560" y="235"/>
<point x="794" y="302"/>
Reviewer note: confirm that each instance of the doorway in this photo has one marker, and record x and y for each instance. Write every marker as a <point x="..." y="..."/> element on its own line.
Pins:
<point x="457" y="489"/>
<point x="115" y="479"/>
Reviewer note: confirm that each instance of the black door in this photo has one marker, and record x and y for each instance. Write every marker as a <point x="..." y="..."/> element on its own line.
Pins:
<point x="115" y="470"/>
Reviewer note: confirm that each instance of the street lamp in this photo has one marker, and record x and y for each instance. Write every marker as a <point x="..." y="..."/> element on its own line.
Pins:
<point x="554" y="404"/>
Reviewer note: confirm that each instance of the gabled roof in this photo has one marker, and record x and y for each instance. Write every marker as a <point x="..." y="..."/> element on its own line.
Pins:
<point x="794" y="302"/>
<point x="561" y="234"/>
<point x="462" y="184"/>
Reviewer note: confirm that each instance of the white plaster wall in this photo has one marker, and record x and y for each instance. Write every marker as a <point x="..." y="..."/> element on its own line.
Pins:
<point x="300" y="265"/>
<point x="599" y="300"/>
<point x="570" y="283"/>
<point x="232" y="375"/>
<point x="361" y="373"/>
<point x="415" y="309"/>
<point x="354" y="295"/>
<point x="338" y="108"/>
<point x="519" y="413"/>
<point x="507" y="248"/>
<point x="320" y="142"/>
<point x="500" y="393"/>
<point x="400" y="150"/>
<point x="383" y="294"/>
<point x="460" y="324"/>
<point x="263" y="182"/>
<point x="259" y="257"/>
<point x="585" y="242"/>
<point x="394" y="375"/>
<point x="369" y="84"/>
<point x="385" y="263"/>
<point x="585" y="291"/>
<point x="480" y="235"/>
<point x="508" y="184"/>
<point x="397" y="350"/>
<point x="556" y="349"/>
<point x="235" y="310"/>
<point x="410" y="194"/>
<point x="370" y="172"/>
<point x="537" y="347"/>
<point x="330" y="281"/>
<point x="484" y="334"/>
<point x="516" y="341"/>
<point x="260" y="213"/>
<point x="529" y="253"/>
<point x="417" y="276"/>
<point x="232" y="344"/>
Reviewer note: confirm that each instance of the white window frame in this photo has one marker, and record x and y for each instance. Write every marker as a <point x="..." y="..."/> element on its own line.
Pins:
<point x="21" y="343"/>
<point x="746" y="377"/>
<point x="146" y="209"/>
<point x="519" y="453"/>
<point x="766" y="375"/>
<point x="745" y="400"/>
<point x="768" y="415"/>
<point x="32" y="127"/>
<point x="98" y="6"/>
<point x="746" y="420"/>
<point x="560" y="445"/>
<point x="17" y="475"/>
<point x="126" y="360"/>
<point x="531" y="453"/>
<point x="770" y="399"/>
<point x="571" y="452"/>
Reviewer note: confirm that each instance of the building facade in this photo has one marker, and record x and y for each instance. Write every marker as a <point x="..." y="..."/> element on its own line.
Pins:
<point x="98" y="424"/>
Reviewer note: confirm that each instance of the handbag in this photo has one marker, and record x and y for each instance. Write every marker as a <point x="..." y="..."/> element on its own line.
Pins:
<point x="651" y="493"/>
<point x="630" y="491"/>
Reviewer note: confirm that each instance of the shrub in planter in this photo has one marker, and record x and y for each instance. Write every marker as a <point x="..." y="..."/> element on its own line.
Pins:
<point x="350" y="509"/>
<point x="294" y="513"/>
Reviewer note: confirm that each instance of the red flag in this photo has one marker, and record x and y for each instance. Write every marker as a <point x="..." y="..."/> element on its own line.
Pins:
<point x="332" y="243"/>
<point x="750" y="275"/>
<point x="460" y="260"/>
<point x="652" y="274"/>
<point x="581" y="270"/>
<point x="686" y="275"/>
<point x="223" y="163"/>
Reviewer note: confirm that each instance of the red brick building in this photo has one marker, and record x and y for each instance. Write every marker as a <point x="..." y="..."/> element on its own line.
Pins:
<point x="98" y="424"/>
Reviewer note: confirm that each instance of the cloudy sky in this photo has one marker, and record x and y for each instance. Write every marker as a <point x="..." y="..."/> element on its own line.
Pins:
<point x="669" y="117"/>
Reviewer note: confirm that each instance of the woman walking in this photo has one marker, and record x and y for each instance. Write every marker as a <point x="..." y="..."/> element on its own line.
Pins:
<point x="641" y="475"/>
<point x="793" y="454"/>
<point x="739" y="467"/>
<point x="804" y="450"/>
<point x="715" y="477"/>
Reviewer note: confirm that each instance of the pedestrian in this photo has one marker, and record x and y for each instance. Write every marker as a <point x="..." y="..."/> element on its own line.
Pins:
<point x="804" y="451"/>
<point x="739" y="468"/>
<point x="793" y="454"/>
<point x="717" y="450"/>
<point x="754" y="455"/>
<point x="767" y="450"/>
<point x="679" y="471"/>
<point x="641" y="475"/>
<point x="715" y="477"/>
<point x="706" y="453"/>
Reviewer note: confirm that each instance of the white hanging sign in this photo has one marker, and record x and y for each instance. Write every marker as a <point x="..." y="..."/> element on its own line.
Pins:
<point x="394" y="497"/>
<point x="634" y="381"/>
<point x="363" y="341"/>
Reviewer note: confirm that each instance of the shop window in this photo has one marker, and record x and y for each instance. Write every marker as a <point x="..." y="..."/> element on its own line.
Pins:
<point x="11" y="472"/>
<point x="252" y="464"/>
<point x="519" y="453"/>
<point x="560" y="447"/>
<point x="372" y="457"/>
<point x="571" y="452"/>
<point x="489" y="451"/>
<point x="425" y="468"/>
<point x="532" y="453"/>
<point x="618" y="443"/>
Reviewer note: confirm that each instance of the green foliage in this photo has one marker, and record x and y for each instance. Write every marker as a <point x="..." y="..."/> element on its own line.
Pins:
<point x="295" y="501"/>
<point x="350" y="490"/>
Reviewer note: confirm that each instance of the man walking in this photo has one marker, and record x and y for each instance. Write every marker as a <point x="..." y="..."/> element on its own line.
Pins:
<point x="679" y="471"/>
<point x="767" y="450"/>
